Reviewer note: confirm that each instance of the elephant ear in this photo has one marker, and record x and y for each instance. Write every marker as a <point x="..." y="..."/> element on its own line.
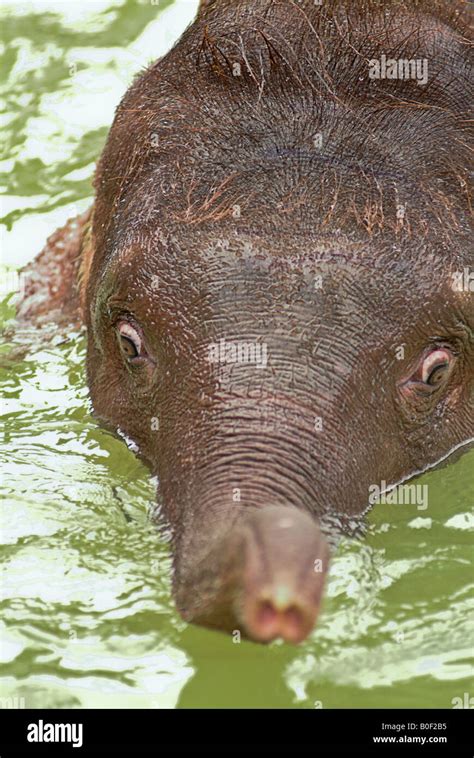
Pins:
<point x="52" y="285"/>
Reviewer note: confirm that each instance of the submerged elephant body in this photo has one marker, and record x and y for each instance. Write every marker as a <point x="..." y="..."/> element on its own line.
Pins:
<point x="268" y="283"/>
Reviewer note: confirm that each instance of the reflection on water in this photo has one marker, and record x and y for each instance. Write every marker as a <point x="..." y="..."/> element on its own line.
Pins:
<point x="86" y="613"/>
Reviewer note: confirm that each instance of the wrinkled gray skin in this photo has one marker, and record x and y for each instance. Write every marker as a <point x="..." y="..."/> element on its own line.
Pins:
<point x="218" y="216"/>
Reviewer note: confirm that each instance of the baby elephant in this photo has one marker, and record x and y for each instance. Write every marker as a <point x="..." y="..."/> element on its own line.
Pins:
<point x="276" y="280"/>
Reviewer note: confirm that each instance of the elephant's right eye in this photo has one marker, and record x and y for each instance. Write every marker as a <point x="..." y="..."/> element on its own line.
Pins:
<point x="131" y="341"/>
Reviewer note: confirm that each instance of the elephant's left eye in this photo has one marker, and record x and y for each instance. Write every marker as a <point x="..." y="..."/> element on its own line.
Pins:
<point x="131" y="342"/>
<point x="435" y="368"/>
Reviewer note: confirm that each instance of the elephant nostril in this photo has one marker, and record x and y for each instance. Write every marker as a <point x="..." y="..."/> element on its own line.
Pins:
<point x="268" y="619"/>
<point x="294" y="623"/>
<point x="265" y="614"/>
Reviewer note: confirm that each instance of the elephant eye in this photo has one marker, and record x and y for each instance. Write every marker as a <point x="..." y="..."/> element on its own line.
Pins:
<point x="433" y="371"/>
<point x="431" y="376"/>
<point x="131" y="342"/>
<point x="436" y="367"/>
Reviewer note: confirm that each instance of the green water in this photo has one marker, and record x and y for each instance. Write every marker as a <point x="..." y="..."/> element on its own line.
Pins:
<point x="86" y="615"/>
